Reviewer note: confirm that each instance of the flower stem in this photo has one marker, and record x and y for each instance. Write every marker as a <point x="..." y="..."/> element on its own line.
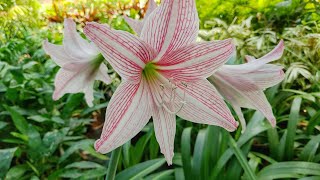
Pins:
<point x="113" y="164"/>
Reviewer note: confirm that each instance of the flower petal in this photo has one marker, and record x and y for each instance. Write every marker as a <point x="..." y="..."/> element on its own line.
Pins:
<point x="196" y="61"/>
<point x="74" y="44"/>
<point x="172" y="25"/>
<point x="102" y="74"/>
<point x="238" y="111"/>
<point x="266" y="76"/>
<point x="127" y="113"/>
<point x="165" y="129"/>
<point x="203" y="104"/>
<point x="253" y="65"/>
<point x="57" y="53"/>
<point x="152" y="5"/>
<point x="249" y="98"/>
<point x="73" y="82"/>
<point x="137" y="25"/>
<point x="125" y="52"/>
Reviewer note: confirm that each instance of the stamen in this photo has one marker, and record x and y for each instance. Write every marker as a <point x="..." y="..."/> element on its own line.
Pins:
<point x="172" y="97"/>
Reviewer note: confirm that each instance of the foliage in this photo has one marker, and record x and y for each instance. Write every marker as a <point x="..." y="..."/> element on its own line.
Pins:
<point x="46" y="139"/>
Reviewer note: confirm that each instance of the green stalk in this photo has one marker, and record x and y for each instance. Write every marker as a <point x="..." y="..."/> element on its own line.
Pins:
<point x="113" y="164"/>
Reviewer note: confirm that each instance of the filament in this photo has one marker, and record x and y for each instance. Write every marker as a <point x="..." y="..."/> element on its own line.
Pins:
<point x="172" y="97"/>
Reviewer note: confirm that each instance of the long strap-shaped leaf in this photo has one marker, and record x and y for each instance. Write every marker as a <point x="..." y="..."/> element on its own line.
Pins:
<point x="290" y="169"/>
<point x="242" y="160"/>
<point x="256" y="126"/>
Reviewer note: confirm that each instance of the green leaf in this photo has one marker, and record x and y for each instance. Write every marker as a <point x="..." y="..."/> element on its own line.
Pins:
<point x="198" y="154"/>
<point x="93" y="173"/>
<point x="310" y="149"/>
<point x="292" y="127"/>
<point x="6" y="156"/>
<point x="160" y="175"/>
<point x="234" y="167"/>
<point x="16" y="172"/>
<point x="94" y="108"/>
<point x="290" y="169"/>
<point x="241" y="159"/>
<point x="18" y="120"/>
<point x="255" y="126"/>
<point x="137" y="151"/>
<point x="51" y="140"/>
<point x="84" y="165"/>
<point x="186" y="152"/>
<point x="141" y="170"/>
<point x="3" y="125"/>
<point x="178" y="174"/>
<point x="314" y="120"/>
<point x="83" y="144"/>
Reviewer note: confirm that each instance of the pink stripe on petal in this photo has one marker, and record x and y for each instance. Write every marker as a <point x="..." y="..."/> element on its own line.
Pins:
<point x="165" y="129"/>
<point x="196" y="61"/>
<point x="125" y="52"/>
<point x="204" y="105"/>
<point x="127" y="113"/>
<point x="172" y="25"/>
<point x="254" y="98"/>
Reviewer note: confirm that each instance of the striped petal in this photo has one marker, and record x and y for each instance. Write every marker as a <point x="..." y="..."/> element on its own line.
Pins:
<point x="196" y="61"/>
<point x="204" y="105"/>
<point x="137" y="25"/>
<point x="75" y="45"/>
<point x="247" y="97"/>
<point x="58" y="53"/>
<point x="165" y="129"/>
<point x="127" y="113"/>
<point x="172" y="25"/>
<point x="73" y="82"/>
<point x="253" y="65"/>
<point x="125" y="52"/>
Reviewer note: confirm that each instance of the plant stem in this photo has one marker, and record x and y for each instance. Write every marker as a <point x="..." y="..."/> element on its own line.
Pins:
<point x="113" y="164"/>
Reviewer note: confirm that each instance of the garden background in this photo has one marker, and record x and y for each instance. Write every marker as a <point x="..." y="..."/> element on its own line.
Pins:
<point x="45" y="139"/>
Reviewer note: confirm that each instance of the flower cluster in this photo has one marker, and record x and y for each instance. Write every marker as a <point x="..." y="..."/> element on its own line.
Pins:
<point x="164" y="73"/>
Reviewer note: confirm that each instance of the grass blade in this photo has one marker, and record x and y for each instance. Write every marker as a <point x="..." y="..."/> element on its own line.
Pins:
<point x="140" y="170"/>
<point x="290" y="169"/>
<point x="241" y="158"/>
<point x="292" y="127"/>
<point x="309" y="151"/>
<point x="186" y="152"/>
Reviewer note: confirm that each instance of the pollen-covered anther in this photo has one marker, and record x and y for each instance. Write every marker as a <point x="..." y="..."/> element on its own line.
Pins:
<point x="167" y="104"/>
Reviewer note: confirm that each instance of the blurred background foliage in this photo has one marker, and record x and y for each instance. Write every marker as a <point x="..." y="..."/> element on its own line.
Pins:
<point x="46" y="139"/>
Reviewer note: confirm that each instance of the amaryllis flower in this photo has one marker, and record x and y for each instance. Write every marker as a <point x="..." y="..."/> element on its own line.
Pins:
<point x="137" y="25"/>
<point x="80" y="61"/>
<point x="163" y="75"/>
<point x="242" y="85"/>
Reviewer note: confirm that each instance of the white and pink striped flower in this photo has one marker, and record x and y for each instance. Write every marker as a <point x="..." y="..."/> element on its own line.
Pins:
<point x="163" y="75"/>
<point x="80" y="61"/>
<point x="242" y="85"/>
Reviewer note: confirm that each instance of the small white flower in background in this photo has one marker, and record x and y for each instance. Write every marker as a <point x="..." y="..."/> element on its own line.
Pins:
<point x="80" y="61"/>
<point x="242" y="85"/>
